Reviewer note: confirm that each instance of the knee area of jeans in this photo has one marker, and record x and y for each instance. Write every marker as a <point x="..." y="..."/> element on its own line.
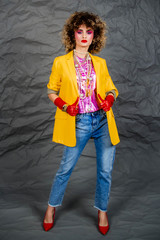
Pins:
<point x="104" y="173"/>
<point x="64" y="173"/>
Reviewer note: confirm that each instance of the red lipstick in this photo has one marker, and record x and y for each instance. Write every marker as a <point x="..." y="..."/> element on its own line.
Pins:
<point x="84" y="41"/>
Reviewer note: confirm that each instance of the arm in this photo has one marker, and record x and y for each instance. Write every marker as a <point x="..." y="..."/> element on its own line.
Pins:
<point x="70" y="109"/>
<point x="106" y="103"/>
<point x="54" y="86"/>
<point x="111" y="92"/>
<point x="110" y="87"/>
<point x="52" y="97"/>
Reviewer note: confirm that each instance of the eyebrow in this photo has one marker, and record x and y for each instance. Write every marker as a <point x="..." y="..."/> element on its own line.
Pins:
<point x="79" y="29"/>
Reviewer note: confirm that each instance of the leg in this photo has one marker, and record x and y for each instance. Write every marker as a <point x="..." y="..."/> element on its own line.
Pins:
<point x="105" y="159"/>
<point x="104" y="177"/>
<point x="69" y="159"/>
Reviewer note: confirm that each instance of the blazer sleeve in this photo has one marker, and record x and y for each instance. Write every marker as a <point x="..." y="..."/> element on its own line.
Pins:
<point x="55" y="77"/>
<point x="109" y="83"/>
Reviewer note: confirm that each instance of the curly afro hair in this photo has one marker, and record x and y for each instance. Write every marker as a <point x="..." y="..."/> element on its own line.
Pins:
<point x="91" y="21"/>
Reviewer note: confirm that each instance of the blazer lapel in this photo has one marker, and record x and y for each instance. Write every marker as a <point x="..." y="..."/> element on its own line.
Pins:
<point x="71" y="67"/>
<point x="96" y="65"/>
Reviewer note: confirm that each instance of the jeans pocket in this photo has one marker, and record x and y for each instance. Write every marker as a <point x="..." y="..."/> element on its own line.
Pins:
<point x="104" y="114"/>
<point x="78" y="117"/>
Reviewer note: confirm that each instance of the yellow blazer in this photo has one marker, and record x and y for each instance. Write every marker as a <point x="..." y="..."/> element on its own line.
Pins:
<point x="63" y="79"/>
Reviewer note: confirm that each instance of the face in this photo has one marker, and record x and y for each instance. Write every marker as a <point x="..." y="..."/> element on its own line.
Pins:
<point x="83" y="37"/>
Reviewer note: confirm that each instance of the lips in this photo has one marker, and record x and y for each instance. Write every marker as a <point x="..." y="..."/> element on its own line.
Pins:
<point x="84" y="41"/>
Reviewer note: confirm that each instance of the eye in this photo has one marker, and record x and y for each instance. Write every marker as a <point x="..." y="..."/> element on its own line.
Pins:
<point x="89" y="32"/>
<point x="79" y="32"/>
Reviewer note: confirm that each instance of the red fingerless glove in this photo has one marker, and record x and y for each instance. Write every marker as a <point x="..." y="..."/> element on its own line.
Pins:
<point x="110" y="99"/>
<point x="107" y="103"/>
<point x="71" y="109"/>
<point x="59" y="103"/>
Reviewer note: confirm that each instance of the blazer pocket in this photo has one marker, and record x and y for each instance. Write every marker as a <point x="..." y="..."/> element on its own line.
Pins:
<point x="60" y="114"/>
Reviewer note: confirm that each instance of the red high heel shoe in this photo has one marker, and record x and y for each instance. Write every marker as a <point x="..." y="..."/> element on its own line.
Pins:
<point x="103" y="229"/>
<point x="48" y="226"/>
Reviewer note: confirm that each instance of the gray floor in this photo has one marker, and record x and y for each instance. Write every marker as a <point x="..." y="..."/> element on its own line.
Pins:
<point x="133" y="207"/>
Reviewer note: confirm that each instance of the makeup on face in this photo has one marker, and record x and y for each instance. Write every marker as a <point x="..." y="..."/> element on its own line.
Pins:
<point x="83" y="36"/>
<point x="81" y="31"/>
<point x="84" y="41"/>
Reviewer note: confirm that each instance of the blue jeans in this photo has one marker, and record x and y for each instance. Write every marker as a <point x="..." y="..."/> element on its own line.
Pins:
<point x="88" y="125"/>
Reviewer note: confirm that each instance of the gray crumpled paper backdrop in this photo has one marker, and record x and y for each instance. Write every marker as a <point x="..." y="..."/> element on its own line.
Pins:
<point x="30" y="40"/>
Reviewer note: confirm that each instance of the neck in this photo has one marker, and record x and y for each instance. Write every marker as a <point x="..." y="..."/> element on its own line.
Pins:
<point x="81" y="52"/>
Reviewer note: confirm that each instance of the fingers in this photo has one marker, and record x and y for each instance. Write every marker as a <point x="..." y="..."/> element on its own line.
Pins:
<point x="74" y="113"/>
<point x="72" y="110"/>
<point x="100" y="98"/>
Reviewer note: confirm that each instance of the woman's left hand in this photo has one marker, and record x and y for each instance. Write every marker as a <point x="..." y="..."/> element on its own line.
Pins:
<point x="106" y="103"/>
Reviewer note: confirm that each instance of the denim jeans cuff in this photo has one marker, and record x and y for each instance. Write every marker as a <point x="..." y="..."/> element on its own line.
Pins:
<point x="58" y="205"/>
<point x="100" y="209"/>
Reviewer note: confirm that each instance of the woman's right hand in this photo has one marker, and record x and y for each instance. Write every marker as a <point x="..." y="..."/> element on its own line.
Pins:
<point x="74" y="108"/>
<point x="70" y="109"/>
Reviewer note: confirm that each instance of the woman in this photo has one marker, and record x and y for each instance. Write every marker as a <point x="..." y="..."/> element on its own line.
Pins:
<point x="81" y="88"/>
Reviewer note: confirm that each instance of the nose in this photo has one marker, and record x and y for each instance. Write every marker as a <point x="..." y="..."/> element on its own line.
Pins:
<point x="84" y="34"/>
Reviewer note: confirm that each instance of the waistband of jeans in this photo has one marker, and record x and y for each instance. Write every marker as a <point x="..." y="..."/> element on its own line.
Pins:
<point x="99" y="112"/>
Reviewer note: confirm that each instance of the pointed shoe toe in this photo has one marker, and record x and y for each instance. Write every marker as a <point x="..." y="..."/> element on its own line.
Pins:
<point x="48" y="226"/>
<point x="103" y="229"/>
